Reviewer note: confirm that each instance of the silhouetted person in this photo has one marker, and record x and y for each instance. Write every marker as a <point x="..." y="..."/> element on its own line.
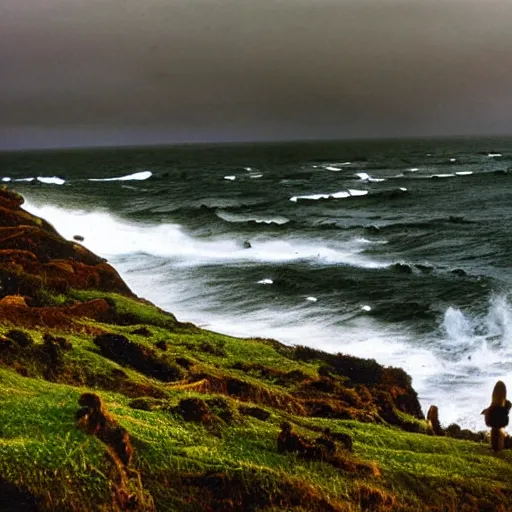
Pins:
<point x="433" y="421"/>
<point x="496" y="415"/>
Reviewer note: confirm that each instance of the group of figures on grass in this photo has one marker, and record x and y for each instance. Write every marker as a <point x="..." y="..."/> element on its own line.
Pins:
<point x="496" y="417"/>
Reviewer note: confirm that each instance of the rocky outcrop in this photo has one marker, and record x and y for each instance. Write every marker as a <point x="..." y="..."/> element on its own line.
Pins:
<point x="35" y="259"/>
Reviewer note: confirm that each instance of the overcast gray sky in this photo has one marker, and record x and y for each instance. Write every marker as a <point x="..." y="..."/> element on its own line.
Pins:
<point x="93" y="72"/>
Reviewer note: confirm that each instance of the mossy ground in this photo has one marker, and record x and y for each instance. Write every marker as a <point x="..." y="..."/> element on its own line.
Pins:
<point x="228" y="464"/>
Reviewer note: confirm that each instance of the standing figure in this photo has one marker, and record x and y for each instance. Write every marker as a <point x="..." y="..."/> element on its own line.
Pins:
<point x="496" y="415"/>
<point x="433" y="421"/>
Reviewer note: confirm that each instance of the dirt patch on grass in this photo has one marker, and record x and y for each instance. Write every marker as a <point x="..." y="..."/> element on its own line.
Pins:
<point x="251" y="392"/>
<point x="120" y="349"/>
<point x="374" y="499"/>
<point x="255" y="412"/>
<point x="249" y="491"/>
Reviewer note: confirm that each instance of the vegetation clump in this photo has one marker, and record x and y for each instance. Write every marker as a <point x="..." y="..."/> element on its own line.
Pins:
<point x="120" y="349"/>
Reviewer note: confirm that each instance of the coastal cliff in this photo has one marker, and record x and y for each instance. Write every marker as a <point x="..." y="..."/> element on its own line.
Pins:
<point x="212" y="422"/>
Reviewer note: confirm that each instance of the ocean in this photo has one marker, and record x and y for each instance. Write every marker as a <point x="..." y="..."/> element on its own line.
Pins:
<point x="393" y="250"/>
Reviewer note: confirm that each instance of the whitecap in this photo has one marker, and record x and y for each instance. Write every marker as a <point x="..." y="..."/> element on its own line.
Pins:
<point x="54" y="180"/>
<point x="6" y="179"/>
<point x="266" y="281"/>
<point x="366" y="308"/>
<point x="357" y="193"/>
<point x="311" y="299"/>
<point x="315" y="197"/>
<point x="332" y="168"/>
<point x="340" y="195"/>
<point x="443" y="175"/>
<point x="24" y="179"/>
<point x="403" y="189"/>
<point x="494" y="155"/>
<point x="464" y="173"/>
<point x="144" y="175"/>
<point x="256" y="176"/>
<point x="230" y="178"/>
<point x="363" y="176"/>
<point x="312" y="197"/>
<point x="414" y="169"/>
<point x="453" y="159"/>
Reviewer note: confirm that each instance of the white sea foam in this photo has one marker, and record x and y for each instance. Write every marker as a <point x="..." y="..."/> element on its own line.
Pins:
<point x="266" y="281"/>
<point x="446" y="175"/>
<point x="332" y="168"/>
<point x="453" y="159"/>
<point x="311" y="299"/>
<point x="53" y="180"/>
<point x="24" y="179"/>
<point x="230" y="178"/>
<point x="464" y="173"/>
<point x="494" y="155"/>
<point x="456" y="325"/>
<point x="6" y="179"/>
<point x="118" y="237"/>
<point x="138" y="176"/>
<point x="255" y="176"/>
<point x="414" y="169"/>
<point x="366" y="308"/>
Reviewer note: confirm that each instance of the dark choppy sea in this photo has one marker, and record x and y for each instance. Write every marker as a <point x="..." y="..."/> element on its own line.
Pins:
<point x="393" y="250"/>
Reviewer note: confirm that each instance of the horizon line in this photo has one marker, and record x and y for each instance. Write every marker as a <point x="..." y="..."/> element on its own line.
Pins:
<point x="252" y="141"/>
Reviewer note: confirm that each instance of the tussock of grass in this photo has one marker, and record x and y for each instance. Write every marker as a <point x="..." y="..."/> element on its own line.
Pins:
<point x="134" y="311"/>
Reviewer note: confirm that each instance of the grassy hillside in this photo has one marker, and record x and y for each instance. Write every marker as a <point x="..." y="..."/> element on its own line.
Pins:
<point x="202" y="411"/>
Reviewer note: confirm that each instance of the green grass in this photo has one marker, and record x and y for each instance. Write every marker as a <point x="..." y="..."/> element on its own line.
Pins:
<point x="42" y="450"/>
<point x="145" y="313"/>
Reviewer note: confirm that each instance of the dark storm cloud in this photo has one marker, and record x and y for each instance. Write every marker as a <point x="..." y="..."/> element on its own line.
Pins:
<point x="125" y="71"/>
